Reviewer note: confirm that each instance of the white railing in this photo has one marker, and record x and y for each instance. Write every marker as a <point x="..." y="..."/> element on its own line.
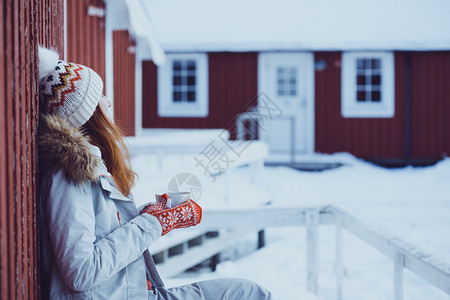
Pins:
<point x="403" y="255"/>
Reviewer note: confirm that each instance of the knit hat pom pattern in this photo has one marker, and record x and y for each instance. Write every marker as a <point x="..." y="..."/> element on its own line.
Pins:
<point x="68" y="89"/>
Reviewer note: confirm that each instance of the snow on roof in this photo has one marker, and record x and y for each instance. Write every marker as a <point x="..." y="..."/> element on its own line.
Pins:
<point x="264" y="25"/>
<point x="143" y="30"/>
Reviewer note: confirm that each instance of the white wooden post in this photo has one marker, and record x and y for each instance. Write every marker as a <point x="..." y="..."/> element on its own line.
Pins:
<point x="226" y="180"/>
<point x="312" y="251"/>
<point x="256" y="172"/>
<point x="339" y="259"/>
<point x="399" y="263"/>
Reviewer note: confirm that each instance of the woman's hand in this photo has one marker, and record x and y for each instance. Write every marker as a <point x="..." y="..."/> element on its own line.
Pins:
<point x="161" y="204"/>
<point x="184" y="215"/>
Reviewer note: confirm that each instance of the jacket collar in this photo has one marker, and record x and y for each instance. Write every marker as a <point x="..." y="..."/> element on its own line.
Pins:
<point x="62" y="146"/>
<point x="106" y="181"/>
<point x="107" y="184"/>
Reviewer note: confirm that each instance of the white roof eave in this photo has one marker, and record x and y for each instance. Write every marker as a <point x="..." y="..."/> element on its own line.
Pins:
<point x="289" y="47"/>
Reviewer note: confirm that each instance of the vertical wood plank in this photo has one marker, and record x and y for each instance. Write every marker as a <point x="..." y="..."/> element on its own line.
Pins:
<point x="3" y="161"/>
<point x="10" y="142"/>
<point x="124" y="81"/>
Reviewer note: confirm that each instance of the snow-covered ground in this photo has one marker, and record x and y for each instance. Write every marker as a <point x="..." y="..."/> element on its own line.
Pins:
<point x="413" y="203"/>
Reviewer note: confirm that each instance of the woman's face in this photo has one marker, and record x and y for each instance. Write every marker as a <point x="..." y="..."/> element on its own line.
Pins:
<point x="104" y="104"/>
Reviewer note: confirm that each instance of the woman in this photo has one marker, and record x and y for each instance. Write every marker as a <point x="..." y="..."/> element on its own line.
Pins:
<point x="94" y="241"/>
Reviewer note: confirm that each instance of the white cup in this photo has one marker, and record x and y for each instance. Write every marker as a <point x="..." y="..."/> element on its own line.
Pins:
<point x="175" y="198"/>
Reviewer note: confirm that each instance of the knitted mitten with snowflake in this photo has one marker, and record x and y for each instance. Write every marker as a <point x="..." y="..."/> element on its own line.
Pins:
<point x="184" y="215"/>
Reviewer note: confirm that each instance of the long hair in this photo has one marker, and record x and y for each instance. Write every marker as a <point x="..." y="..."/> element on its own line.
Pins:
<point x="106" y="135"/>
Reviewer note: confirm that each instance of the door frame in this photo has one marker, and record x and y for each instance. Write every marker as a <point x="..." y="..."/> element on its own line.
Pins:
<point x="308" y="57"/>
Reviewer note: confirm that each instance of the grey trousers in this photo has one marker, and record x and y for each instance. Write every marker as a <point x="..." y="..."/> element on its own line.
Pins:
<point x="216" y="289"/>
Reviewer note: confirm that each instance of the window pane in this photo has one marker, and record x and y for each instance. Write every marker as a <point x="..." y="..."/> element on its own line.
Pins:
<point x="176" y="80"/>
<point x="361" y="63"/>
<point x="176" y="96"/>
<point x="368" y="79"/>
<point x="191" y="65"/>
<point x="176" y="65"/>
<point x="191" y="96"/>
<point x="191" y="80"/>
<point x="376" y="80"/>
<point x="361" y="96"/>
<point x="361" y="79"/>
<point x="286" y="81"/>
<point x="184" y="80"/>
<point x="376" y="64"/>
<point x="376" y="96"/>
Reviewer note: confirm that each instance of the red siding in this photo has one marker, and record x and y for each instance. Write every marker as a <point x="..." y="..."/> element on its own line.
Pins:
<point x="23" y="25"/>
<point x="385" y="138"/>
<point x="124" y="82"/>
<point x="430" y="78"/>
<point x="86" y="35"/>
<point x="367" y="138"/>
<point x="232" y="86"/>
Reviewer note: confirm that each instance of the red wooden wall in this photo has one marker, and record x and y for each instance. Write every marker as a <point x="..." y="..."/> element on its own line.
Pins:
<point x="124" y="81"/>
<point x="86" y="35"/>
<point x="425" y="76"/>
<point x="381" y="138"/>
<point x="232" y="86"/>
<point x="430" y="81"/>
<point x="23" y="25"/>
<point x="367" y="138"/>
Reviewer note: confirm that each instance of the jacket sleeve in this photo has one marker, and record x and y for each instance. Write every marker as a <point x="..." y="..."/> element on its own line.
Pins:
<point x="82" y="261"/>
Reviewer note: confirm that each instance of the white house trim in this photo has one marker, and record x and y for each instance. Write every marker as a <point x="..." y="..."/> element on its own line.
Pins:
<point x="167" y="107"/>
<point x="384" y="106"/>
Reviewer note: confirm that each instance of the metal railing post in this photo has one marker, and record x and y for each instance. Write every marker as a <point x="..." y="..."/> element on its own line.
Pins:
<point x="312" y="251"/>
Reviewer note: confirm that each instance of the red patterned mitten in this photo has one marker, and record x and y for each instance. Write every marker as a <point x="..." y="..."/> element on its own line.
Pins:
<point x="184" y="215"/>
<point x="162" y="204"/>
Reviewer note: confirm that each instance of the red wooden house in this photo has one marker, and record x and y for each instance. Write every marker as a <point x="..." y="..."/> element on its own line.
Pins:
<point x="370" y="78"/>
<point x="104" y="35"/>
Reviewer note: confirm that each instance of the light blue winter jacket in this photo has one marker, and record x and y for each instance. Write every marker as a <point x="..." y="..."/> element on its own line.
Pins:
<point x="93" y="239"/>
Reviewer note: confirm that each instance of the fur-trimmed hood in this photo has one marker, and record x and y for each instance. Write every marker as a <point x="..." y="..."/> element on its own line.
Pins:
<point x="62" y="146"/>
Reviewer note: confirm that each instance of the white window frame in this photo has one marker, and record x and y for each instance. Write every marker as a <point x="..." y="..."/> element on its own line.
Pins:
<point x="169" y="108"/>
<point x="350" y="107"/>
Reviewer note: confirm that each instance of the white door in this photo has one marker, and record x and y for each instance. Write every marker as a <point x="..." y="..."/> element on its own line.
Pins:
<point x="287" y="79"/>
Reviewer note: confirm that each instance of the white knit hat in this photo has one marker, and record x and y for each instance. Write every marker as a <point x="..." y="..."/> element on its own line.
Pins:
<point x="68" y="89"/>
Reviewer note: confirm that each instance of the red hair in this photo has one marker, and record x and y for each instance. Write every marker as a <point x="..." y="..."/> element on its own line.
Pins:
<point x="106" y="135"/>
